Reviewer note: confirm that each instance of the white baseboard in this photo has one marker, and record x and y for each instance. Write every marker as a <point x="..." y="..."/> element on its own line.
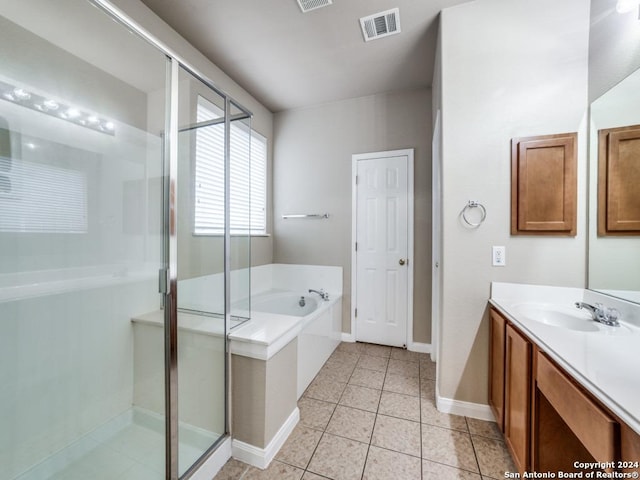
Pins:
<point x="467" y="409"/>
<point x="214" y="463"/>
<point x="413" y="346"/>
<point x="261" y="457"/>
<point x="419" y="347"/>
<point x="348" y="337"/>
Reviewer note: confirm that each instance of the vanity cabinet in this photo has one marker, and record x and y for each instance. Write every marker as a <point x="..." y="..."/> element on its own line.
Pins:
<point x="496" y="366"/>
<point x="510" y="386"/>
<point x="517" y="394"/>
<point x="630" y="447"/>
<point x="566" y="416"/>
<point x="550" y="421"/>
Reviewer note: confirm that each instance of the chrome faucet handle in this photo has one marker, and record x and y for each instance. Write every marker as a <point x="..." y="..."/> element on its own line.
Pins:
<point x="609" y="316"/>
<point x="612" y="314"/>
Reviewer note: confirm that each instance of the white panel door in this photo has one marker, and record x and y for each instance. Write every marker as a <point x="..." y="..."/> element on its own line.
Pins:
<point x="381" y="254"/>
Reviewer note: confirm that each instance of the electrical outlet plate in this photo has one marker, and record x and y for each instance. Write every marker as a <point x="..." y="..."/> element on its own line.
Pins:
<point x="498" y="256"/>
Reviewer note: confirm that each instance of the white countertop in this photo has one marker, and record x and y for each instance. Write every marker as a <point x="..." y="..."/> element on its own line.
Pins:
<point x="606" y="362"/>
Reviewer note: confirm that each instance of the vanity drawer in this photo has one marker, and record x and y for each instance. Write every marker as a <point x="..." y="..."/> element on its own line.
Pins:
<point x="594" y="427"/>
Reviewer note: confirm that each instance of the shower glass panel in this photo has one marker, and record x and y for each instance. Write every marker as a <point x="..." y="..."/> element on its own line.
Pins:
<point x="201" y="268"/>
<point x="82" y="108"/>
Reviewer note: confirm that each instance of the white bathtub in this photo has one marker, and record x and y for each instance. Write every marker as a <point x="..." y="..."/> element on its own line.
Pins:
<point x="278" y="327"/>
<point x="284" y="303"/>
<point x="277" y="318"/>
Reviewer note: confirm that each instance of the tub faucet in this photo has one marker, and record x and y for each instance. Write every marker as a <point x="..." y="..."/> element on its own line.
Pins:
<point x="600" y="313"/>
<point x="324" y="295"/>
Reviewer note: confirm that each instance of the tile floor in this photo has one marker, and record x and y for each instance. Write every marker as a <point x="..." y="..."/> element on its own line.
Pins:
<point x="370" y="415"/>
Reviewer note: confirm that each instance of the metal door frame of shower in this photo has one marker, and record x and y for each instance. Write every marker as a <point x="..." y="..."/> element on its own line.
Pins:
<point x="169" y="277"/>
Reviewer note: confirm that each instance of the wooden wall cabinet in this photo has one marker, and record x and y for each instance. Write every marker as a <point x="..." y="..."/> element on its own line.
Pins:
<point x="544" y="185"/>
<point x="618" y="180"/>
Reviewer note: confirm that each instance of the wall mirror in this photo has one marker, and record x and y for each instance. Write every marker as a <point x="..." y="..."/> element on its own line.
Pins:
<point x="614" y="260"/>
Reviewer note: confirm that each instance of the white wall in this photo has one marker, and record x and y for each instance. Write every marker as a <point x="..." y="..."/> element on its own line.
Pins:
<point x="312" y="174"/>
<point x="508" y="70"/>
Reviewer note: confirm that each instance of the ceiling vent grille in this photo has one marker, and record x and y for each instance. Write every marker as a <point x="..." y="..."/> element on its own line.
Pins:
<point x="381" y="24"/>
<point x="308" y="5"/>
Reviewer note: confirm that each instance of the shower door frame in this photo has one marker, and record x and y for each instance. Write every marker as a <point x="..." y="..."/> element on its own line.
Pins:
<point x="168" y="277"/>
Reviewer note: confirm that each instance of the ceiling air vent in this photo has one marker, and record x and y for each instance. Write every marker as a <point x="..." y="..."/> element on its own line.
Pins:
<point x="381" y="24"/>
<point x="308" y="5"/>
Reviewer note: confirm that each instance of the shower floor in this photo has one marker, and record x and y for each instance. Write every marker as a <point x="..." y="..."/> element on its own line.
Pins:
<point x="129" y="447"/>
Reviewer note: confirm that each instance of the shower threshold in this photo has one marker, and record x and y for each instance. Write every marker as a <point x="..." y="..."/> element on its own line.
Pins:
<point x="130" y="446"/>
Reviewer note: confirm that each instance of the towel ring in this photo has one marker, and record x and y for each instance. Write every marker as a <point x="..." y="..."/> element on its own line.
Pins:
<point x="473" y="204"/>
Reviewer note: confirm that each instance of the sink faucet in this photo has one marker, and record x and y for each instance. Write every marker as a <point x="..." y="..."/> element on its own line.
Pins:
<point x="602" y="314"/>
<point x="324" y="295"/>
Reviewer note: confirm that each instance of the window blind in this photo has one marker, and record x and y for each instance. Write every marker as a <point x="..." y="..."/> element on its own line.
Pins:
<point x="248" y="162"/>
<point x="40" y="198"/>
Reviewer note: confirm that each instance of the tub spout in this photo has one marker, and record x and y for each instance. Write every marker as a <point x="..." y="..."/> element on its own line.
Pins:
<point x="324" y="295"/>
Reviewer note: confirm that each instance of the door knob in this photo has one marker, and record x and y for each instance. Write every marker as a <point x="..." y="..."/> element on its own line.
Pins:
<point x="401" y="261"/>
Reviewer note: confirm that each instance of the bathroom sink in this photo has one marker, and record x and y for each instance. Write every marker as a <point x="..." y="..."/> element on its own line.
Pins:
<point x="559" y="316"/>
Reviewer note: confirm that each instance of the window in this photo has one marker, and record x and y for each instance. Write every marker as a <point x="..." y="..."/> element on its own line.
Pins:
<point x="248" y="170"/>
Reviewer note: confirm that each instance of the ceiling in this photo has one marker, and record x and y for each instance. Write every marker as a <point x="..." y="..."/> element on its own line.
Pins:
<point x="288" y="59"/>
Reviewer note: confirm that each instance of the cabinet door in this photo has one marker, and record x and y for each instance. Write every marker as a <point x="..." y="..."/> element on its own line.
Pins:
<point x="517" y="409"/>
<point x="630" y="446"/>
<point x="543" y="185"/>
<point x="618" y="177"/>
<point x="496" y="367"/>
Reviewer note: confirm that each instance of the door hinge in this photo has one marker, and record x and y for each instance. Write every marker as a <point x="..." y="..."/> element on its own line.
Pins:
<point x="356" y="179"/>
<point x="356" y="246"/>
<point x="356" y="313"/>
<point x="163" y="280"/>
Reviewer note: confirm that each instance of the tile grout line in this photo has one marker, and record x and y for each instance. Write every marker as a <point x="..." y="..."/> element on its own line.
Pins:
<point x="420" y="417"/>
<point x="305" y="469"/>
<point x="422" y="369"/>
<point x="324" y="431"/>
<point x="375" y="421"/>
<point x="376" y="413"/>
<point x="473" y="446"/>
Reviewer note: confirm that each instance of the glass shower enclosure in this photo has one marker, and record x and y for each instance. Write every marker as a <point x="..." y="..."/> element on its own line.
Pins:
<point x="106" y="370"/>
